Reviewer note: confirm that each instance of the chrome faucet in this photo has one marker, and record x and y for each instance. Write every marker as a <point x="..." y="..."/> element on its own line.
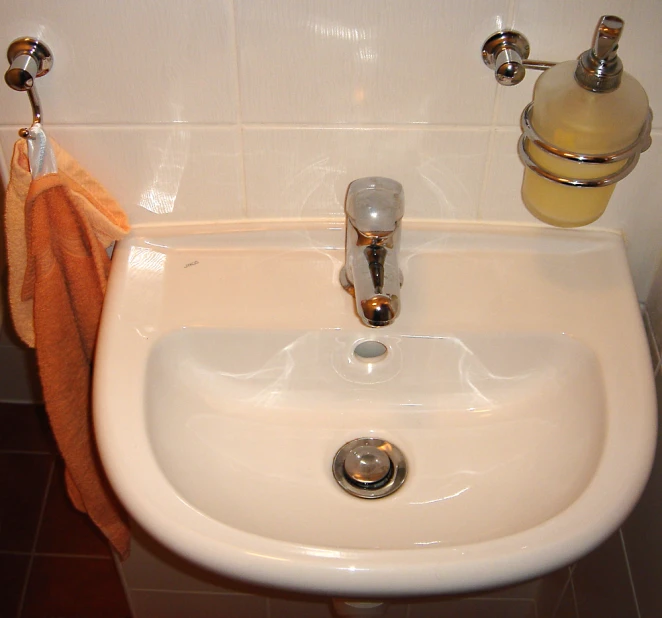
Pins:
<point x="374" y="208"/>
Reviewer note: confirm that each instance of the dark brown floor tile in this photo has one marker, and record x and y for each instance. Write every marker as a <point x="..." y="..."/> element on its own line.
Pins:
<point x="23" y="480"/>
<point x="602" y="582"/>
<point x="64" y="530"/>
<point x="19" y="379"/>
<point x="13" y="570"/>
<point x="24" y="427"/>
<point x="74" y="588"/>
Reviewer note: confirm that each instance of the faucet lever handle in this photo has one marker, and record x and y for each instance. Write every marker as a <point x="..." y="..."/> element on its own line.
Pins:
<point x="375" y="204"/>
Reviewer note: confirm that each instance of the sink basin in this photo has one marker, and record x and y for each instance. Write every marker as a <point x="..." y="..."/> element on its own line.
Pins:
<point x="231" y="367"/>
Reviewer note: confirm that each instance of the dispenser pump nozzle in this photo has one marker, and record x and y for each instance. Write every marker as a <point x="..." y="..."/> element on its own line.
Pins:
<point x="599" y="69"/>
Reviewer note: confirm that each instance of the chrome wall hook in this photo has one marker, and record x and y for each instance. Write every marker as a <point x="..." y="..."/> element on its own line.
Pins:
<point x="28" y="58"/>
<point x="507" y="53"/>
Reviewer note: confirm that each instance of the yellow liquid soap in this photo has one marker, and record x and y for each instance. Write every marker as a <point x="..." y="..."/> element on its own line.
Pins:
<point x="578" y="120"/>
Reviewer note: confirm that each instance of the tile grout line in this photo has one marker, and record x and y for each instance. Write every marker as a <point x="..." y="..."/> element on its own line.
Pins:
<point x="489" y="155"/>
<point x="279" y="126"/>
<point x="9" y="451"/>
<point x="223" y="593"/>
<point x="656" y="347"/>
<point x="33" y="551"/>
<point x="574" y="595"/>
<point x="564" y="590"/>
<point x="11" y="552"/>
<point x="123" y="582"/>
<point x="62" y="555"/>
<point x="292" y="125"/>
<point x="650" y="333"/>
<point x="239" y="118"/>
<point x="629" y="570"/>
<point x="289" y="125"/>
<point x="486" y="597"/>
<point x="4" y="168"/>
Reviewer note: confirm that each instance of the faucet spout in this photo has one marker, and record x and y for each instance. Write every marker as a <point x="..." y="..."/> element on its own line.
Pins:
<point x="371" y="272"/>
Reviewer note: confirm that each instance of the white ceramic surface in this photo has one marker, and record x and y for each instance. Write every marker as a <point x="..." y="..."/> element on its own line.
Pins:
<point x="487" y="423"/>
<point x="517" y="383"/>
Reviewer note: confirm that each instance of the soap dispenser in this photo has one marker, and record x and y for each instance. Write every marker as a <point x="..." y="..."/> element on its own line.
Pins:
<point x="584" y="131"/>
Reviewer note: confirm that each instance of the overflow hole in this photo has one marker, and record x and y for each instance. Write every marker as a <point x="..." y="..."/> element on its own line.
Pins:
<point x="370" y="351"/>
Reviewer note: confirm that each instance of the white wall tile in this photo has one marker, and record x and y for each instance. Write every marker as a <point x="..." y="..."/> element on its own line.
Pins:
<point x="339" y="61"/>
<point x="130" y="62"/>
<point x="305" y="172"/>
<point x="641" y="49"/>
<point x="501" y="199"/>
<point x="162" y="173"/>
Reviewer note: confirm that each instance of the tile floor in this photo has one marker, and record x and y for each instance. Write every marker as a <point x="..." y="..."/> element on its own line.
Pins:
<point x="53" y="562"/>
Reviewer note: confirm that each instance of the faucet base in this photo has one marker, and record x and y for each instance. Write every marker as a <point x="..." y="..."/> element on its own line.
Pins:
<point x="345" y="282"/>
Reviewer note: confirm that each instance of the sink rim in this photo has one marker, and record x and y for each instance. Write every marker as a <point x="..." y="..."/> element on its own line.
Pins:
<point x="310" y="568"/>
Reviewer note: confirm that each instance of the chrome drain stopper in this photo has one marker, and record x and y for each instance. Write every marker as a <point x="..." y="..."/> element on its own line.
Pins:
<point x="369" y="468"/>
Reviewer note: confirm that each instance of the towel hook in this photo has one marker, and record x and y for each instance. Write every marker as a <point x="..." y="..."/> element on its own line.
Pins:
<point x="28" y="58"/>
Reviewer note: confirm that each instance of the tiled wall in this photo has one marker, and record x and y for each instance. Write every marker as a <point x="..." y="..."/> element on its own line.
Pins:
<point x="216" y="109"/>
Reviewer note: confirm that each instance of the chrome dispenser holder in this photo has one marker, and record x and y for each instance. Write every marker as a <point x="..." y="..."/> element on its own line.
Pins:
<point x="29" y="58"/>
<point x="507" y="53"/>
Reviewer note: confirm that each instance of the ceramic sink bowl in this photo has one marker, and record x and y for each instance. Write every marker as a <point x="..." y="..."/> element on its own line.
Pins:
<point x="516" y="382"/>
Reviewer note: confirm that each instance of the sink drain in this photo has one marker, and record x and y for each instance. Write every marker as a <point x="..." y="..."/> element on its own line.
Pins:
<point x="369" y="468"/>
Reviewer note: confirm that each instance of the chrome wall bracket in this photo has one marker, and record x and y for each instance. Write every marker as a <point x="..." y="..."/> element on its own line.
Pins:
<point x="28" y="58"/>
<point x="507" y="53"/>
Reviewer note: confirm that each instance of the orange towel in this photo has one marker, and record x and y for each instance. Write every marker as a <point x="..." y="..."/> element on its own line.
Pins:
<point x="58" y="228"/>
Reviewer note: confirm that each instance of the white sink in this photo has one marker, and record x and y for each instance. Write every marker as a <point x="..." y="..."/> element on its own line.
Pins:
<point x="516" y="382"/>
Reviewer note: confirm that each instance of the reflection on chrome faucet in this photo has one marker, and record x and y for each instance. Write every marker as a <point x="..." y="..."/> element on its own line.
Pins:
<point x="374" y="208"/>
